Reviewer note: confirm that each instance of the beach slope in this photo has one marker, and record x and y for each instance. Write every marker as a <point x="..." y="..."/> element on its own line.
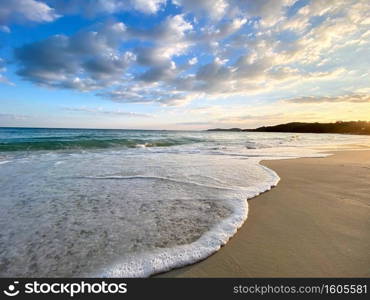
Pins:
<point x="315" y="223"/>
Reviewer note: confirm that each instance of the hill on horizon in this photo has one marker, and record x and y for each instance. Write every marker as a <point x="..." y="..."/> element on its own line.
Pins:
<point x="351" y="127"/>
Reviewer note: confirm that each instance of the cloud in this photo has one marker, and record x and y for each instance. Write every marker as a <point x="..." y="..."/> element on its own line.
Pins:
<point x="269" y="10"/>
<point x="88" y="60"/>
<point x="93" y="8"/>
<point x="100" y="111"/>
<point x="171" y="30"/>
<point x="3" y="78"/>
<point x="350" y="98"/>
<point x="91" y="60"/>
<point x="145" y="6"/>
<point x="4" y="28"/>
<point x="136" y="94"/>
<point x="343" y="23"/>
<point x="13" y="117"/>
<point x="241" y="120"/>
<point x="193" y="61"/>
<point x="22" y="11"/>
<point x="244" y="118"/>
<point x="168" y="40"/>
<point x="216" y="49"/>
<point x="214" y="8"/>
<point x="41" y="11"/>
<point x="200" y="123"/>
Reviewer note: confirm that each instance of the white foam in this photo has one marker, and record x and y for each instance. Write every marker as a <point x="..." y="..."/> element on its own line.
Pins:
<point x="161" y="260"/>
<point x="162" y="178"/>
<point x="141" y="145"/>
<point x="156" y="261"/>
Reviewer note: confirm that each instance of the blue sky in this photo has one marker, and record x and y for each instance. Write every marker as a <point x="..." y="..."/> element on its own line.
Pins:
<point x="183" y="64"/>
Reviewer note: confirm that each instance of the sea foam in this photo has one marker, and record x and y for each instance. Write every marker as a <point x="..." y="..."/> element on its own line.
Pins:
<point x="161" y="260"/>
<point x="134" y="212"/>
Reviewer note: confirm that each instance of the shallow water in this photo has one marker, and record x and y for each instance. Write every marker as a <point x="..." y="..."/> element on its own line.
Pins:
<point x="153" y="202"/>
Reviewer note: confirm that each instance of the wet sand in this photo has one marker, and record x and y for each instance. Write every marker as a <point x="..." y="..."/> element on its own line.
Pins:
<point x="315" y="223"/>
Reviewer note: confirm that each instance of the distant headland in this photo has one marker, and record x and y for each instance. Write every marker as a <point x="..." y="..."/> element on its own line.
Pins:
<point x="352" y="127"/>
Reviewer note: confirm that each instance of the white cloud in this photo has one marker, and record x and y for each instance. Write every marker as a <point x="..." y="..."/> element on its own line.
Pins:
<point x="3" y="78"/>
<point x="147" y="6"/>
<point x="169" y="40"/>
<point x="193" y="61"/>
<point x="5" y="29"/>
<point x="93" y="8"/>
<point x="214" y="8"/>
<point x="240" y="48"/>
<point x="25" y="11"/>
<point x="12" y="117"/>
<point x="148" y="94"/>
<point x="101" y="111"/>
<point x="352" y="98"/>
<point x="270" y="11"/>
<point x="86" y="61"/>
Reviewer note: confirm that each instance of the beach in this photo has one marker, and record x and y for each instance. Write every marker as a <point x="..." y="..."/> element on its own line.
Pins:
<point x="121" y="203"/>
<point x="315" y="223"/>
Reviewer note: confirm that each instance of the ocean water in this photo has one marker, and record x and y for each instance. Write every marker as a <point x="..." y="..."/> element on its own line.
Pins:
<point x="131" y="203"/>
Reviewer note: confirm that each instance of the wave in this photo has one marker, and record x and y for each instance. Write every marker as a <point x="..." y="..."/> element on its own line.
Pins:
<point x="55" y="144"/>
<point x="147" y="263"/>
<point x="118" y="177"/>
<point x="131" y="215"/>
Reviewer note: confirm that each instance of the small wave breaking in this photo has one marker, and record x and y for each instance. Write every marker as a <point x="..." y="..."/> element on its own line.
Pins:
<point x="56" y="144"/>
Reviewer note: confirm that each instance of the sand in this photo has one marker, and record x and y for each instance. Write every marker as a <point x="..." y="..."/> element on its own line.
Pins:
<point x="315" y="223"/>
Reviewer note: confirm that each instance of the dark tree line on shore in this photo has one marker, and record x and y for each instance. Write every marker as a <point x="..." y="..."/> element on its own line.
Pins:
<point x="352" y="127"/>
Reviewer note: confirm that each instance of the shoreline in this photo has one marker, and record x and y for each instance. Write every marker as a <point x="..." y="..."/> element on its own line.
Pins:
<point x="314" y="223"/>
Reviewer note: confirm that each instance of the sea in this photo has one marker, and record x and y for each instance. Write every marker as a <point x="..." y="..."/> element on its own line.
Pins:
<point x="132" y="203"/>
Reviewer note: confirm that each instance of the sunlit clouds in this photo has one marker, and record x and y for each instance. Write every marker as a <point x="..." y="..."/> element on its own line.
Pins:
<point x="248" y="62"/>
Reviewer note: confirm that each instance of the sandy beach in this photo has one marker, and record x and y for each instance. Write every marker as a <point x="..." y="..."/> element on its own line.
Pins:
<point x="315" y="223"/>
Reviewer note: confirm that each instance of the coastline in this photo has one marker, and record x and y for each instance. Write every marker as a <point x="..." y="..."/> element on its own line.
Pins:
<point x="313" y="224"/>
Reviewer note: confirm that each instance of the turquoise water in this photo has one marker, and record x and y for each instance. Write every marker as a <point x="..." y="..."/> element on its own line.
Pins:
<point x="29" y="139"/>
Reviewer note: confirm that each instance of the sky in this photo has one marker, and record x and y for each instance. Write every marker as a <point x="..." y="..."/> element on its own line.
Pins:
<point x="183" y="64"/>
